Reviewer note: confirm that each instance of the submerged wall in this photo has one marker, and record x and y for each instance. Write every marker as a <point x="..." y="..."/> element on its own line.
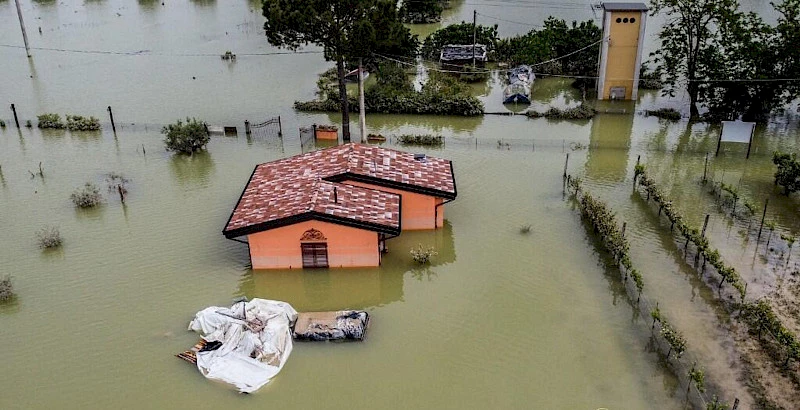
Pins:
<point x="347" y="247"/>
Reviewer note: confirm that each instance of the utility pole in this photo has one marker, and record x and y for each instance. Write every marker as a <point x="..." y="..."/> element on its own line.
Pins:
<point x="22" y="26"/>
<point x="474" y="33"/>
<point x="362" y="117"/>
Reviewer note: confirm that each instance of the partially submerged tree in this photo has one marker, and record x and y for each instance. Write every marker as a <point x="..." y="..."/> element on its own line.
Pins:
<point x="187" y="137"/>
<point x="689" y="44"/>
<point x="788" y="173"/>
<point x="345" y="29"/>
<point x="731" y="61"/>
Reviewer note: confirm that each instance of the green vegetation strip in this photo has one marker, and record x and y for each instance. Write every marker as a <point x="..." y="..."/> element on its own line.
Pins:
<point x="759" y="315"/>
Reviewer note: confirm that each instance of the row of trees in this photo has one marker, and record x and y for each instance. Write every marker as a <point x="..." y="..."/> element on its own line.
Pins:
<point x="730" y="61"/>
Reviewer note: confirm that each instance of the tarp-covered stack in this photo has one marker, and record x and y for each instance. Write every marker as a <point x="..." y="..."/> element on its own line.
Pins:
<point x="246" y="344"/>
<point x="336" y="326"/>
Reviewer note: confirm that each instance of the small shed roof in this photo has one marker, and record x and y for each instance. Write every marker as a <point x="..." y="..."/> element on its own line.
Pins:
<point x="309" y="186"/>
<point x="451" y="52"/>
<point x="625" y="6"/>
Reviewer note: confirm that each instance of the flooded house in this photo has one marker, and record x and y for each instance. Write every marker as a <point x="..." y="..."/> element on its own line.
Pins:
<point x="337" y="207"/>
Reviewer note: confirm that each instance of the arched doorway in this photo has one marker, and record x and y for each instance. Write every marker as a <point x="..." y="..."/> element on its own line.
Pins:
<point x="314" y="248"/>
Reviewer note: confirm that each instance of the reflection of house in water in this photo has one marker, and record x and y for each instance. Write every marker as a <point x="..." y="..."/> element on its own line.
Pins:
<point x="327" y="289"/>
<point x="609" y="143"/>
<point x="358" y="288"/>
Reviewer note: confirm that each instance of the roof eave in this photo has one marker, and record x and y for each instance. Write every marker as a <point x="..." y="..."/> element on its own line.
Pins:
<point x="307" y="216"/>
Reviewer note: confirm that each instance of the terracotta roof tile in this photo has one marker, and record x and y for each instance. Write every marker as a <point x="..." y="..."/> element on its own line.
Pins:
<point x="298" y="185"/>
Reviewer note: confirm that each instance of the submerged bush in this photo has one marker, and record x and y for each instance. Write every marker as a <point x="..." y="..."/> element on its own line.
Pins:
<point x="425" y="140"/>
<point x="186" y="138"/>
<point x="581" y="112"/>
<point x="665" y="113"/>
<point x="117" y="182"/>
<point x="87" y="197"/>
<point x="49" y="237"/>
<point x="422" y="255"/>
<point x="79" y="123"/>
<point x="6" y="288"/>
<point x="788" y="173"/>
<point x="50" y="120"/>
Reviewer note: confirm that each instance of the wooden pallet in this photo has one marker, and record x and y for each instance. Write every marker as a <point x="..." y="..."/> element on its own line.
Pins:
<point x="191" y="354"/>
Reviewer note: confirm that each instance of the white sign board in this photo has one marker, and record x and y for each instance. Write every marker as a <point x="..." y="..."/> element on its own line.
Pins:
<point x="737" y="131"/>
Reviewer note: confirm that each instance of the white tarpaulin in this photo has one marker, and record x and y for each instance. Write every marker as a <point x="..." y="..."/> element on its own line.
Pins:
<point x="255" y="337"/>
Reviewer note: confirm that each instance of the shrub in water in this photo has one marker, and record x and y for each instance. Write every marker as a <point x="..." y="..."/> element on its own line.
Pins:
<point x="422" y="255"/>
<point x="788" y="173"/>
<point x="50" y="120"/>
<point x="86" y="197"/>
<point x="425" y="140"/>
<point x="186" y="138"/>
<point x="6" y="288"/>
<point x="78" y="123"/>
<point x="49" y="237"/>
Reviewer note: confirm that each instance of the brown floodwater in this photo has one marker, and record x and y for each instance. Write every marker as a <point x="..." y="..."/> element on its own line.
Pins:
<point x="499" y="319"/>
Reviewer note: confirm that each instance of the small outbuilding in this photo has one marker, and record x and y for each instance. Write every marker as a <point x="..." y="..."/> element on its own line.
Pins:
<point x="337" y="207"/>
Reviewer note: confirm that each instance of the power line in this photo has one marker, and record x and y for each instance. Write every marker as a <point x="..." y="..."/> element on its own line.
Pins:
<point x="528" y="24"/>
<point x="151" y="53"/>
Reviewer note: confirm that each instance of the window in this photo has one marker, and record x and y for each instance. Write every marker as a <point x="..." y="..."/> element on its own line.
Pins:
<point x="315" y="254"/>
<point x="314" y="248"/>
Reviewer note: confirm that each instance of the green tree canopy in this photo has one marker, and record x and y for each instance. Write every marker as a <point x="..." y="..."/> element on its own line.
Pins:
<point x="730" y="61"/>
<point x="346" y="30"/>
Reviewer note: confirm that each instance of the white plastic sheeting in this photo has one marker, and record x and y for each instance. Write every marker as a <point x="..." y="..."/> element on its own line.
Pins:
<point x="255" y="337"/>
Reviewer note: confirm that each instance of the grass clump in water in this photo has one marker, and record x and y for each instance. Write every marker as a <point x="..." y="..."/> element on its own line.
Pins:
<point x="6" y="289"/>
<point x="79" y="123"/>
<point x="49" y="237"/>
<point x="665" y="113"/>
<point x="49" y="120"/>
<point x="87" y="196"/>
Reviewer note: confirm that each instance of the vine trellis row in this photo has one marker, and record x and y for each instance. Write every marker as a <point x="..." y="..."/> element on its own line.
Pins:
<point x="759" y="314"/>
<point x="603" y="221"/>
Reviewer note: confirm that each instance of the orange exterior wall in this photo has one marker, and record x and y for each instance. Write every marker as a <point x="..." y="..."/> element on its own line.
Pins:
<point x="623" y="49"/>
<point x="417" y="211"/>
<point x="279" y="248"/>
<point x="327" y="135"/>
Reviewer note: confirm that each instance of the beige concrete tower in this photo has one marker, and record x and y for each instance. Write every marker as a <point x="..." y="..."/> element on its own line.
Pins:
<point x="621" y="51"/>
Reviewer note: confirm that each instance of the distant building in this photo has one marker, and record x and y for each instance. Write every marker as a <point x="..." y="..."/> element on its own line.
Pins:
<point x="621" y="51"/>
<point x="455" y="56"/>
<point x="337" y="207"/>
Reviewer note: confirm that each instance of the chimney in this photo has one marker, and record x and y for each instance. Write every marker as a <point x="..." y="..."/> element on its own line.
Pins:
<point x="335" y="195"/>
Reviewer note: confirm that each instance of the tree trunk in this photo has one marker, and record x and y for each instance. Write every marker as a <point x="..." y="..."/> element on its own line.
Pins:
<point x="693" y="91"/>
<point x="343" y="99"/>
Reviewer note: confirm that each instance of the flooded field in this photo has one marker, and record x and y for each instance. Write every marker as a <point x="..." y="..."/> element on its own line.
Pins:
<point x="500" y="319"/>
